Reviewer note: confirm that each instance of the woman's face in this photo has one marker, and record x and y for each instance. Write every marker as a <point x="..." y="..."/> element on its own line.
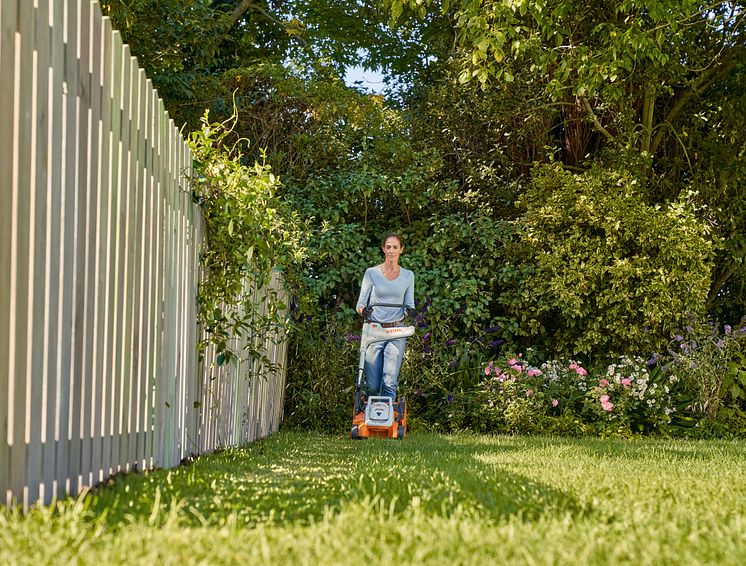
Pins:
<point x="392" y="248"/>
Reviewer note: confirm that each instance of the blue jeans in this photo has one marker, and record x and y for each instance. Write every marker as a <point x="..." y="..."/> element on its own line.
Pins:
<point x="382" y="364"/>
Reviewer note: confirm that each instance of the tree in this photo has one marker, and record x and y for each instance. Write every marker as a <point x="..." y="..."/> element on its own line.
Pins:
<point x="650" y="86"/>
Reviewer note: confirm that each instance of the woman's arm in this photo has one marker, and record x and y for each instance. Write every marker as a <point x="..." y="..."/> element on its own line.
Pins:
<point x="409" y="293"/>
<point x="366" y="287"/>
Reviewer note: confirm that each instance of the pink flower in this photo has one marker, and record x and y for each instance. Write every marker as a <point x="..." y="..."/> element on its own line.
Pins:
<point x="603" y="382"/>
<point x="512" y="362"/>
<point x="520" y="355"/>
<point x="533" y="372"/>
<point x="626" y="381"/>
<point x="529" y="392"/>
<point x="488" y="370"/>
<point x="605" y="405"/>
<point x="580" y="371"/>
<point x="573" y="366"/>
<point x="555" y="402"/>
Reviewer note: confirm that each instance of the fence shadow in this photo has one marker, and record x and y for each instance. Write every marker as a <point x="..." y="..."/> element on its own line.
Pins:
<point x="297" y="478"/>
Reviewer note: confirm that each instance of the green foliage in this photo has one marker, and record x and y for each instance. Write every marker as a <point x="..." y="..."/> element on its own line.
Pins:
<point x="587" y="48"/>
<point x="643" y="100"/>
<point x="712" y="366"/>
<point x="653" y="87"/>
<point x="321" y="380"/>
<point x="185" y="46"/>
<point x="488" y="139"/>
<point x="625" y="399"/>
<point x="247" y="235"/>
<point x="602" y="271"/>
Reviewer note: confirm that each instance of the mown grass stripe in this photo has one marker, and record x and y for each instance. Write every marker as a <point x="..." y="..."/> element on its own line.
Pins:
<point x="298" y="498"/>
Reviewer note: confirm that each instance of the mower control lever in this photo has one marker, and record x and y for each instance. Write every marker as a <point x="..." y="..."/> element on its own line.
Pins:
<point x="367" y="313"/>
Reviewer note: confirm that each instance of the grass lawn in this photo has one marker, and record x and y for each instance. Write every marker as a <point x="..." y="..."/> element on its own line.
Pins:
<point x="299" y="498"/>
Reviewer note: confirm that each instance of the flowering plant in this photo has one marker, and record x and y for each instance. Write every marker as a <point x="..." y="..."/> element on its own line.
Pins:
<point x="712" y="366"/>
<point x="632" y="396"/>
<point x="512" y="396"/>
<point x="627" y="398"/>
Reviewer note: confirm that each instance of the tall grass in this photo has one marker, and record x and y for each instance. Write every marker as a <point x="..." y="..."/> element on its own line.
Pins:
<point x="299" y="498"/>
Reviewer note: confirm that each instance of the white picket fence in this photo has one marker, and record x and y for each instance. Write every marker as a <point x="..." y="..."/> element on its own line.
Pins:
<point x="99" y="244"/>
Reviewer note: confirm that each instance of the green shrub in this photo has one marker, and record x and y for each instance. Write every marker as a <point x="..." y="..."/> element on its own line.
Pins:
<point x="712" y="366"/>
<point x="562" y="397"/>
<point x="602" y="272"/>
<point x="321" y="380"/>
<point x="631" y="398"/>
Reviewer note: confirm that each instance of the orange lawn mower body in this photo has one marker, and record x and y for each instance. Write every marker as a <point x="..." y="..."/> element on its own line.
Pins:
<point x="377" y="415"/>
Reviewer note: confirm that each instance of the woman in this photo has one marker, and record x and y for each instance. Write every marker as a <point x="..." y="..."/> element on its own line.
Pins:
<point x="392" y="284"/>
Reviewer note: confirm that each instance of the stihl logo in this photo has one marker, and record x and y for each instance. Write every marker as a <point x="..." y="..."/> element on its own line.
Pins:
<point x="394" y="331"/>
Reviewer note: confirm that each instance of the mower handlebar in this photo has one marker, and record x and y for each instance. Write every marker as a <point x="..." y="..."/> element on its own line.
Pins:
<point x="368" y="311"/>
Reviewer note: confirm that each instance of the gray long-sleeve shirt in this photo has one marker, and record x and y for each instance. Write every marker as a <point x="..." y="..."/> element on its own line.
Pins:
<point x="376" y="288"/>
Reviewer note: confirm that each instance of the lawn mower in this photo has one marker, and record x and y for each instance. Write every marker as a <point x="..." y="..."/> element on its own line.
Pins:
<point x="378" y="415"/>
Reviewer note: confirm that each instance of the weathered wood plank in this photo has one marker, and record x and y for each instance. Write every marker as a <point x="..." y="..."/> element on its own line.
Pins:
<point x="164" y="378"/>
<point x="54" y="448"/>
<point x="8" y="20"/>
<point x="75" y="240"/>
<point x="20" y="264"/>
<point x="151" y="276"/>
<point x="124" y="287"/>
<point x="138" y="135"/>
<point x="91" y="89"/>
<point x="41" y="316"/>
<point x="85" y="291"/>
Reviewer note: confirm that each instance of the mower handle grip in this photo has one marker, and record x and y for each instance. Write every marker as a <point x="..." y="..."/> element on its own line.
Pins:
<point x="368" y="310"/>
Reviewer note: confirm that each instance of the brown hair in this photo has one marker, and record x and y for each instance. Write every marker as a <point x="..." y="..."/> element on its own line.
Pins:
<point x="392" y="235"/>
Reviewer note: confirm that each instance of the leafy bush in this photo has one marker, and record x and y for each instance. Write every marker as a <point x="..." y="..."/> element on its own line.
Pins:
<point x="712" y="366"/>
<point x="563" y="397"/>
<point x="631" y="398"/>
<point x="320" y="383"/>
<point x="603" y="273"/>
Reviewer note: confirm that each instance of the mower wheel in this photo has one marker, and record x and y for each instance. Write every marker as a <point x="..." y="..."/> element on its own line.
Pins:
<point x="400" y="432"/>
<point x="353" y="433"/>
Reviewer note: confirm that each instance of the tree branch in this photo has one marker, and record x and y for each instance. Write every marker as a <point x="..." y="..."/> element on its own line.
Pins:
<point x="244" y="7"/>
<point x="718" y="285"/>
<point x="238" y="13"/>
<point x="699" y="85"/>
<point x="648" y="104"/>
<point x="595" y="120"/>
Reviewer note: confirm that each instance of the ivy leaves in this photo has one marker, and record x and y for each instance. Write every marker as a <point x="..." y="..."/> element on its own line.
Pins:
<point x="248" y="234"/>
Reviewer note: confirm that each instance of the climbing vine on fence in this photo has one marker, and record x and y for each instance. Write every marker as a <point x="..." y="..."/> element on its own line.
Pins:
<point x="248" y="235"/>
